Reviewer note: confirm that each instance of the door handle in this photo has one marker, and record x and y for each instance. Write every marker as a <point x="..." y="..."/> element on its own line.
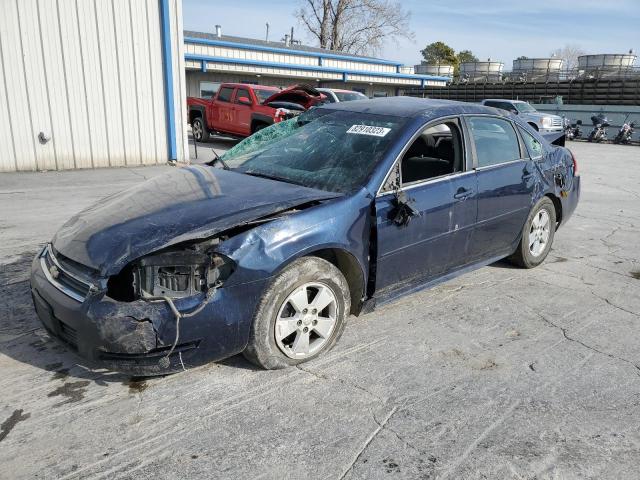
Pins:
<point x="462" y="193"/>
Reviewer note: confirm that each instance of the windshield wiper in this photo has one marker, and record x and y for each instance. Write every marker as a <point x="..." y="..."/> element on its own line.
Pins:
<point x="273" y="177"/>
<point x="218" y="159"/>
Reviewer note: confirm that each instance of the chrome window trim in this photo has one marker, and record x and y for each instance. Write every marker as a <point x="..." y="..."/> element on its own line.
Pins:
<point x="48" y="251"/>
<point x="491" y="167"/>
<point x="380" y="192"/>
<point x="427" y="182"/>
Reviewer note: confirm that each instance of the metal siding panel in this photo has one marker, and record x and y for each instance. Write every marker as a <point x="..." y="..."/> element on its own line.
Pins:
<point x="74" y="83"/>
<point x="16" y="97"/>
<point x="111" y="81"/>
<point x="7" y="153"/>
<point x="180" y="96"/>
<point x="93" y="83"/>
<point x="143" y="81"/>
<point x="36" y="85"/>
<point x="158" y="123"/>
<point x="57" y="93"/>
<point x="130" y="120"/>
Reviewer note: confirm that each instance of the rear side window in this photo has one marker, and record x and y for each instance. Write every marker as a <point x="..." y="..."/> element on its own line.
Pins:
<point x="495" y="140"/>
<point x="534" y="147"/>
<point x="225" y="94"/>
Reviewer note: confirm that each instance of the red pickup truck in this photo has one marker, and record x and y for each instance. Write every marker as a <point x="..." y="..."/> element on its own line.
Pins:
<point x="241" y="109"/>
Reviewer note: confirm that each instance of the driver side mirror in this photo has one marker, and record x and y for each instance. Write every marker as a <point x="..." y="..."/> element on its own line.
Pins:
<point x="244" y="100"/>
<point x="514" y="111"/>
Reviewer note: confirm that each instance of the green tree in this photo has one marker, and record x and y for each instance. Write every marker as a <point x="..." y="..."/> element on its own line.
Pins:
<point x="439" y="52"/>
<point x="461" y="57"/>
<point x="466" y="56"/>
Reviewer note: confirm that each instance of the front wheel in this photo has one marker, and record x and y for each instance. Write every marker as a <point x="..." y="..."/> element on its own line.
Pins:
<point x="301" y="314"/>
<point x="537" y="235"/>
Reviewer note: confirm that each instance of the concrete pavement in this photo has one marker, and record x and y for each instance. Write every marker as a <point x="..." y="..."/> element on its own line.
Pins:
<point x="500" y="373"/>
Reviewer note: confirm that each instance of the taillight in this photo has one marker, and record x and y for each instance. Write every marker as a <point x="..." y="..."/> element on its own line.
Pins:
<point x="575" y="163"/>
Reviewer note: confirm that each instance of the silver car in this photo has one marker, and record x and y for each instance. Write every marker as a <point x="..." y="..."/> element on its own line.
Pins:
<point x="335" y="95"/>
<point x="542" y="122"/>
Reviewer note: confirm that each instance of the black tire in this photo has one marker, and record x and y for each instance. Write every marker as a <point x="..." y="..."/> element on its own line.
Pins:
<point x="262" y="348"/>
<point x="259" y="126"/>
<point x="199" y="129"/>
<point x="523" y="256"/>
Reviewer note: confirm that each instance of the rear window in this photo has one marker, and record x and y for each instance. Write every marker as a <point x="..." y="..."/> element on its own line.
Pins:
<point x="225" y="94"/>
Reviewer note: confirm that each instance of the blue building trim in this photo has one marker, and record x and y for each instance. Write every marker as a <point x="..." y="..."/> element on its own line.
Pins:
<point x="312" y="68"/>
<point x="168" y="78"/>
<point x="288" y="51"/>
<point x="203" y="66"/>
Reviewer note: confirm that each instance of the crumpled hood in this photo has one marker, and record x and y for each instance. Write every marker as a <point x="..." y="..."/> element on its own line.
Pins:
<point x="186" y="204"/>
<point x="301" y="94"/>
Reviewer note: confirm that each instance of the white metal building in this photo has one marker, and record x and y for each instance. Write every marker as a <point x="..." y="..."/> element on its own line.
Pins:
<point x="215" y="58"/>
<point x="91" y="83"/>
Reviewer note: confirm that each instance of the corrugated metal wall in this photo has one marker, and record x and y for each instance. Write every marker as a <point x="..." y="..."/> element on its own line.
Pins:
<point x="89" y="75"/>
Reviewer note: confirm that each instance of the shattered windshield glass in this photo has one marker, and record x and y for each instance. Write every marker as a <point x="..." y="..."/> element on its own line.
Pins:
<point x="329" y="150"/>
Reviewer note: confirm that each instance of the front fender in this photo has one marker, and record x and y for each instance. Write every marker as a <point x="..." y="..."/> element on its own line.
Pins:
<point x="265" y="250"/>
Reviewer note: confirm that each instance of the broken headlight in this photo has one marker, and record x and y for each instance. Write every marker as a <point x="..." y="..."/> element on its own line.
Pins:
<point x="177" y="274"/>
<point x="173" y="274"/>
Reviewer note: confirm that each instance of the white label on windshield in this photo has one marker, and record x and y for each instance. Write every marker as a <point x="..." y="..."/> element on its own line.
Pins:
<point x="369" y="130"/>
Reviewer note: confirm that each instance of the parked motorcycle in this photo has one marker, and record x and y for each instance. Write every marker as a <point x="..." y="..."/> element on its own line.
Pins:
<point x="626" y="132"/>
<point x="599" y="132"/>
<point x="572" y="131"/>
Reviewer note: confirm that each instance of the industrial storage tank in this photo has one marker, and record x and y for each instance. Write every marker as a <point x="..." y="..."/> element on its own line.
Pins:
<point x="488" y="71"/>
<point x="434" y="69"/>
<point x="606" y="65"/>
<point x="537" y="69"/>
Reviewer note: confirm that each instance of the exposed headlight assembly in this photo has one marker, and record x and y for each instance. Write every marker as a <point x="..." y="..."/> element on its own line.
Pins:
<point x="178" y="274"/>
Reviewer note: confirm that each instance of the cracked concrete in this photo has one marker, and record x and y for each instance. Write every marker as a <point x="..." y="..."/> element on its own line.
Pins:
<point x="501" y="373"/>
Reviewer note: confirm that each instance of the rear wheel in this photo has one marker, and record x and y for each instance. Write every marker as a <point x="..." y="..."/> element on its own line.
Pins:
<point x="200" y="132"/>
<point x="537" y="235"/>
<point x="301" y="314"/>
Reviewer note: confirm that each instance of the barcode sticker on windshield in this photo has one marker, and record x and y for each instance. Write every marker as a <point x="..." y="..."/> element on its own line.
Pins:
<point x="369" y="130"/>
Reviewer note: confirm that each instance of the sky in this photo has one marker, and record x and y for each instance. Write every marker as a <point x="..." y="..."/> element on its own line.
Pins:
<point x="499" y="29"/>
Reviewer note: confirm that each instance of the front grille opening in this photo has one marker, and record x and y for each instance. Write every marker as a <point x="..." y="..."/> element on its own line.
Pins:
<point x="120" y="287"/>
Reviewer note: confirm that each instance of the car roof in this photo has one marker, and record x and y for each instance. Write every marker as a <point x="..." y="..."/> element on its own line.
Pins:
<point x="411" y="107"/>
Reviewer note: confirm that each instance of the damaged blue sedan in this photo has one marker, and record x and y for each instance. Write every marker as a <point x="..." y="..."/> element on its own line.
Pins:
<point x="268" y="250"/>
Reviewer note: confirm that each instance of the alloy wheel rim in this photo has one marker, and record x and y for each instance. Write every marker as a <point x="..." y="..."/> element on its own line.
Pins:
<point x="197" y="130"/>
<point x="306" y="320"/>
<point x="539" y="233"/>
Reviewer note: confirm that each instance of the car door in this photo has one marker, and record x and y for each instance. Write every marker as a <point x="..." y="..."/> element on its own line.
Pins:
<point x="243" y="108"/>
<point x="506" y="181"/>
<point x="435" y="239"/>
<point x="225" y="120"/>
